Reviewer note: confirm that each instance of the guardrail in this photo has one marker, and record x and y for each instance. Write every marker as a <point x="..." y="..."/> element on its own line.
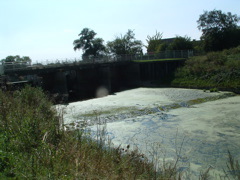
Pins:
<point x="12" y="66"/>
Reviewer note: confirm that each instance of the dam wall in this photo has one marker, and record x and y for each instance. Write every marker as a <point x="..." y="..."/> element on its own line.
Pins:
<point x="84" y="81"/>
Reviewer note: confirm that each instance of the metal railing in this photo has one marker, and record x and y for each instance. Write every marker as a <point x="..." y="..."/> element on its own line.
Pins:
<point x="11" y="66"/>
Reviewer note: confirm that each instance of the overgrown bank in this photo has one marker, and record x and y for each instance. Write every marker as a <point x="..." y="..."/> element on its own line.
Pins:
<point x="34" y="145"/>
<point x="219" y="70"/>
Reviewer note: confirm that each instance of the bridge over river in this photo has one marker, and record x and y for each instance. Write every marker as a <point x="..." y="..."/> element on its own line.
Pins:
<point x="81" y="79"/>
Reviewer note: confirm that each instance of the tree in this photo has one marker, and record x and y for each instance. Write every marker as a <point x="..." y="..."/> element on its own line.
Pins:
<point x="90" y="45"/>
<point x="154" y="42"/>
<point x="157" y="44"/>
<point x="181" y="43"/>
<point x="162" y="47"/>
<point x="219" y="30"/>
<point x="126" y="44"/>
<point x="17" y="59"/>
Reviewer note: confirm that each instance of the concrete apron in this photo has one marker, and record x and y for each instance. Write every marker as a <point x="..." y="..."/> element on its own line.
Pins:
<point x="199" y="135"/>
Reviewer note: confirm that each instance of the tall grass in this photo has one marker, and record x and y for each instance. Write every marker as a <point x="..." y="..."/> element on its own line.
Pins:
<point x="29" y="130"/>
<point x="34" y="145"/>
<point x="214" y="70"/>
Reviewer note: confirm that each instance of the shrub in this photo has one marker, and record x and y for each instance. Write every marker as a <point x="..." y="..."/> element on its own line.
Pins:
<point x="213" y="90"/>
<point x="27" y="123"/>
<point x="216" y="58"/>
<point x="27" y="119"/>
<point x="216" y="69"/>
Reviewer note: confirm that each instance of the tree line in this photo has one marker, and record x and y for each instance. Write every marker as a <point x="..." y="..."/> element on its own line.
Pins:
<point x="17" y="59"/>
<point x="219" y="31"/>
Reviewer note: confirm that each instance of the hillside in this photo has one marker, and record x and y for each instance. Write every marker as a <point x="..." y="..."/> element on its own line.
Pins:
<point x="218" y="70"/>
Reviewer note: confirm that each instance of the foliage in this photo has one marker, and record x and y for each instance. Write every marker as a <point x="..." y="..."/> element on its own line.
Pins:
<point x="27" y="124"/>
<point x="126" y="44"/>
<point x="162" y="47"/>
<point x="217" y="20"/>
<point x="90" y="45"/>
<point x="17" y="58"/>
<point x="219" y="70"/>
<point x="154" y="60"/>
<point x="219" y="30"/>
<point x="34" y="145"/>
<point x="181" y="43"/>
<point x="198" y="46"/>
<point x="154" y="42"/>
<point x="213" y="90"/>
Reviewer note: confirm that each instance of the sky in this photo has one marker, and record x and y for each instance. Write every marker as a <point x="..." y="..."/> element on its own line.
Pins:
<point x="45" y="29"/>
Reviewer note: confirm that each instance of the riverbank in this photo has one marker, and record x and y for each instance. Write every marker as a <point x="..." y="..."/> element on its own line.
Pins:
<point x="215" y="70"/>
<point x="34" y="145"/>
<point x="167" y="117"/>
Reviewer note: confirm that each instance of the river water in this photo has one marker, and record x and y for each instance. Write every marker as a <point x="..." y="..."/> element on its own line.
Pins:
<point x="195" y="126"/>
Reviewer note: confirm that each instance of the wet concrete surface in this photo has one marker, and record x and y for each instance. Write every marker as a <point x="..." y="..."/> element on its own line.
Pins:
<point x="168" y="124"/>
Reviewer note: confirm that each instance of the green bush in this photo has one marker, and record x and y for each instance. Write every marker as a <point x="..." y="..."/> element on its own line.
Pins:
<point x="216" y="69"/>
<point x="213" y="90"/>
<point x="27" y="117"/>
<point x="27" y="123"/>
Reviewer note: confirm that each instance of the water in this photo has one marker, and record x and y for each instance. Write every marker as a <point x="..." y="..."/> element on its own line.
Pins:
<point x="170" y="124"/>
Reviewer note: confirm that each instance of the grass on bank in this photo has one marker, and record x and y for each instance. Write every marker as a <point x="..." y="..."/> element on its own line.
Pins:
<point x="34" y="145"/>
<point x="215" y="70"/>
<point x="155" y="60"/>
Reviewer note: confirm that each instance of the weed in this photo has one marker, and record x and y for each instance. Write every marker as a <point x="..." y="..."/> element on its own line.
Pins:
<point x="34" y="145"/>
<point x="215" y="70"/>
<point x="204" y="175"/>
<point x="154" y="60"/>
<point x="233" y="168"/>
<point x="214" y="90"/>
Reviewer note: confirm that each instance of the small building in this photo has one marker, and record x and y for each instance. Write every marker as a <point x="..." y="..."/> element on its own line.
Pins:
<point x="168" y="40"/>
